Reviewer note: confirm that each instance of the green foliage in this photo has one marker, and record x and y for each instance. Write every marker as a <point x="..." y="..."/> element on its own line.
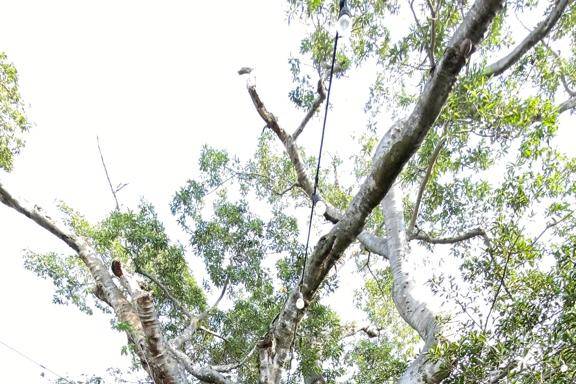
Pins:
<point x="13" y="121"/>
<point x="383" y="358"/>
<point x="68" y="274"/>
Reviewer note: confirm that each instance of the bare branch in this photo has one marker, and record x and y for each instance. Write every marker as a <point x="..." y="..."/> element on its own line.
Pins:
<point x="368" y="330"/>
<point x="550" y="225"/>
<point x="317" y="103"/>
<point x="107" y="175"/>
<point x="374" y="244"/>
<point x="435" y="154"/>
<point x="476" y="232"/>
<point x="541" y="30"/>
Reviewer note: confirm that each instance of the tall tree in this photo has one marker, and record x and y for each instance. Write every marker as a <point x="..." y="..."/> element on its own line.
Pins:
<point x="459" y="177"/>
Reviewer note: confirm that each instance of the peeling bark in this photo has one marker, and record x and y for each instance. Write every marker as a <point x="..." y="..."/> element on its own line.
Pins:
<point x="138" y="332"/>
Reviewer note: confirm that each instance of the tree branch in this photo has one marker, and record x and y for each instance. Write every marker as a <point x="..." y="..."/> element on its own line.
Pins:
<point x="541" y="30"/>
<point x="435" y="154"/>
<point x="567" y="105"/>
<point x="374" y="244"/>
<point x="164" y="289"/>
<point x="317" y="103"/>
<point x="231" y="367"/>
<point x="204" y="374"/>
<point x="420" y="235"/>
<point x="394" y="150"/>
<point x="187" y="333"/>
<point x="107" y="175"/>
<point x="427" y="48"/>
<point x="567" y="88"/>
<point x="332" y="214"/>
<point x="157" y="366"/>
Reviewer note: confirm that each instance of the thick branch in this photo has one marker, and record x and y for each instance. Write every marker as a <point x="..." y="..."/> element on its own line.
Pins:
<point x="374" y="244"/>
<point x="165" y="364"/>
<point x="411" y="303"/>
<point x="541" y="30"/>
<point x="106" y="288"/>
<point x="567" y="105"/>
<point x="317" y="103"/>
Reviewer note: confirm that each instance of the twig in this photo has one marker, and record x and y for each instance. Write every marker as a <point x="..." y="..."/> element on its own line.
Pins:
<point x="435" y="154"/>
<point x="230" y="367"/>
<point x="211" y="332"/>
<point x="551" y="225"/>
<point x="108" y="176"/>
<point x="501" y="283"/>
<point x="165" y="290"/>
<point x="567" y="88"/>
<point x="429" y="53"/>
<point x="319" y="100"/>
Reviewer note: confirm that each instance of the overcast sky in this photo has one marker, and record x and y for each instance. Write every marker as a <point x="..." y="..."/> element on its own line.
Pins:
<point x="155" y="80"/>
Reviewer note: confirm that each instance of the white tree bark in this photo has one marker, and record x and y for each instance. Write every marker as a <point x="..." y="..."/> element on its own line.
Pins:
<point x="414" y="309"/>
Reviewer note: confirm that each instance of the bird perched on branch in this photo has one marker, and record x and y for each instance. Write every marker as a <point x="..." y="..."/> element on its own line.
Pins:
<point x="244" y="71"/>
<point x="117" y="268"/>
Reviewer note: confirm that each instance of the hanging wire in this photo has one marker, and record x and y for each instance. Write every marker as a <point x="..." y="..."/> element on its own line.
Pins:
<point x="315" y="197"/>
<point x="35" y="362"/>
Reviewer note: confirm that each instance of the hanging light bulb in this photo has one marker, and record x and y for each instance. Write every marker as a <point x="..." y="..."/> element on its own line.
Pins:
<point x="300" y="301"/>
<point x="344" y="19"/>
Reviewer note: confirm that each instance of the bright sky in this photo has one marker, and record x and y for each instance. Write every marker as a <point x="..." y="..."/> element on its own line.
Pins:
<point x="155" y="80"/>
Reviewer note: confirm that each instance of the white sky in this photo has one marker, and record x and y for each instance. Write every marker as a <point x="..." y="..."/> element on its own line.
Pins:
<point x="155" y="80"/>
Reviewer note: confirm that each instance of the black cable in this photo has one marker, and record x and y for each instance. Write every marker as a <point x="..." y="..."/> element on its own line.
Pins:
<point x="315" y="198"/>
<point x="35" y="362"/>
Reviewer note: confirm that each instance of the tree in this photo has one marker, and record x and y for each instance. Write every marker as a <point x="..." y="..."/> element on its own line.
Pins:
<point x="460" y="120"/>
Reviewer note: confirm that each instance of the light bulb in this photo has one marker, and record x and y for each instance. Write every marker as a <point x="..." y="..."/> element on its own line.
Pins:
<point x="320" y="208"/>
<point x="300" y="301"/>
<point x="344" y="25"/>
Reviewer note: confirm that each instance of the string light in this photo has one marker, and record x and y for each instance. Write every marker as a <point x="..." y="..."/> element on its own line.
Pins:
<point x="344" y="22"/>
